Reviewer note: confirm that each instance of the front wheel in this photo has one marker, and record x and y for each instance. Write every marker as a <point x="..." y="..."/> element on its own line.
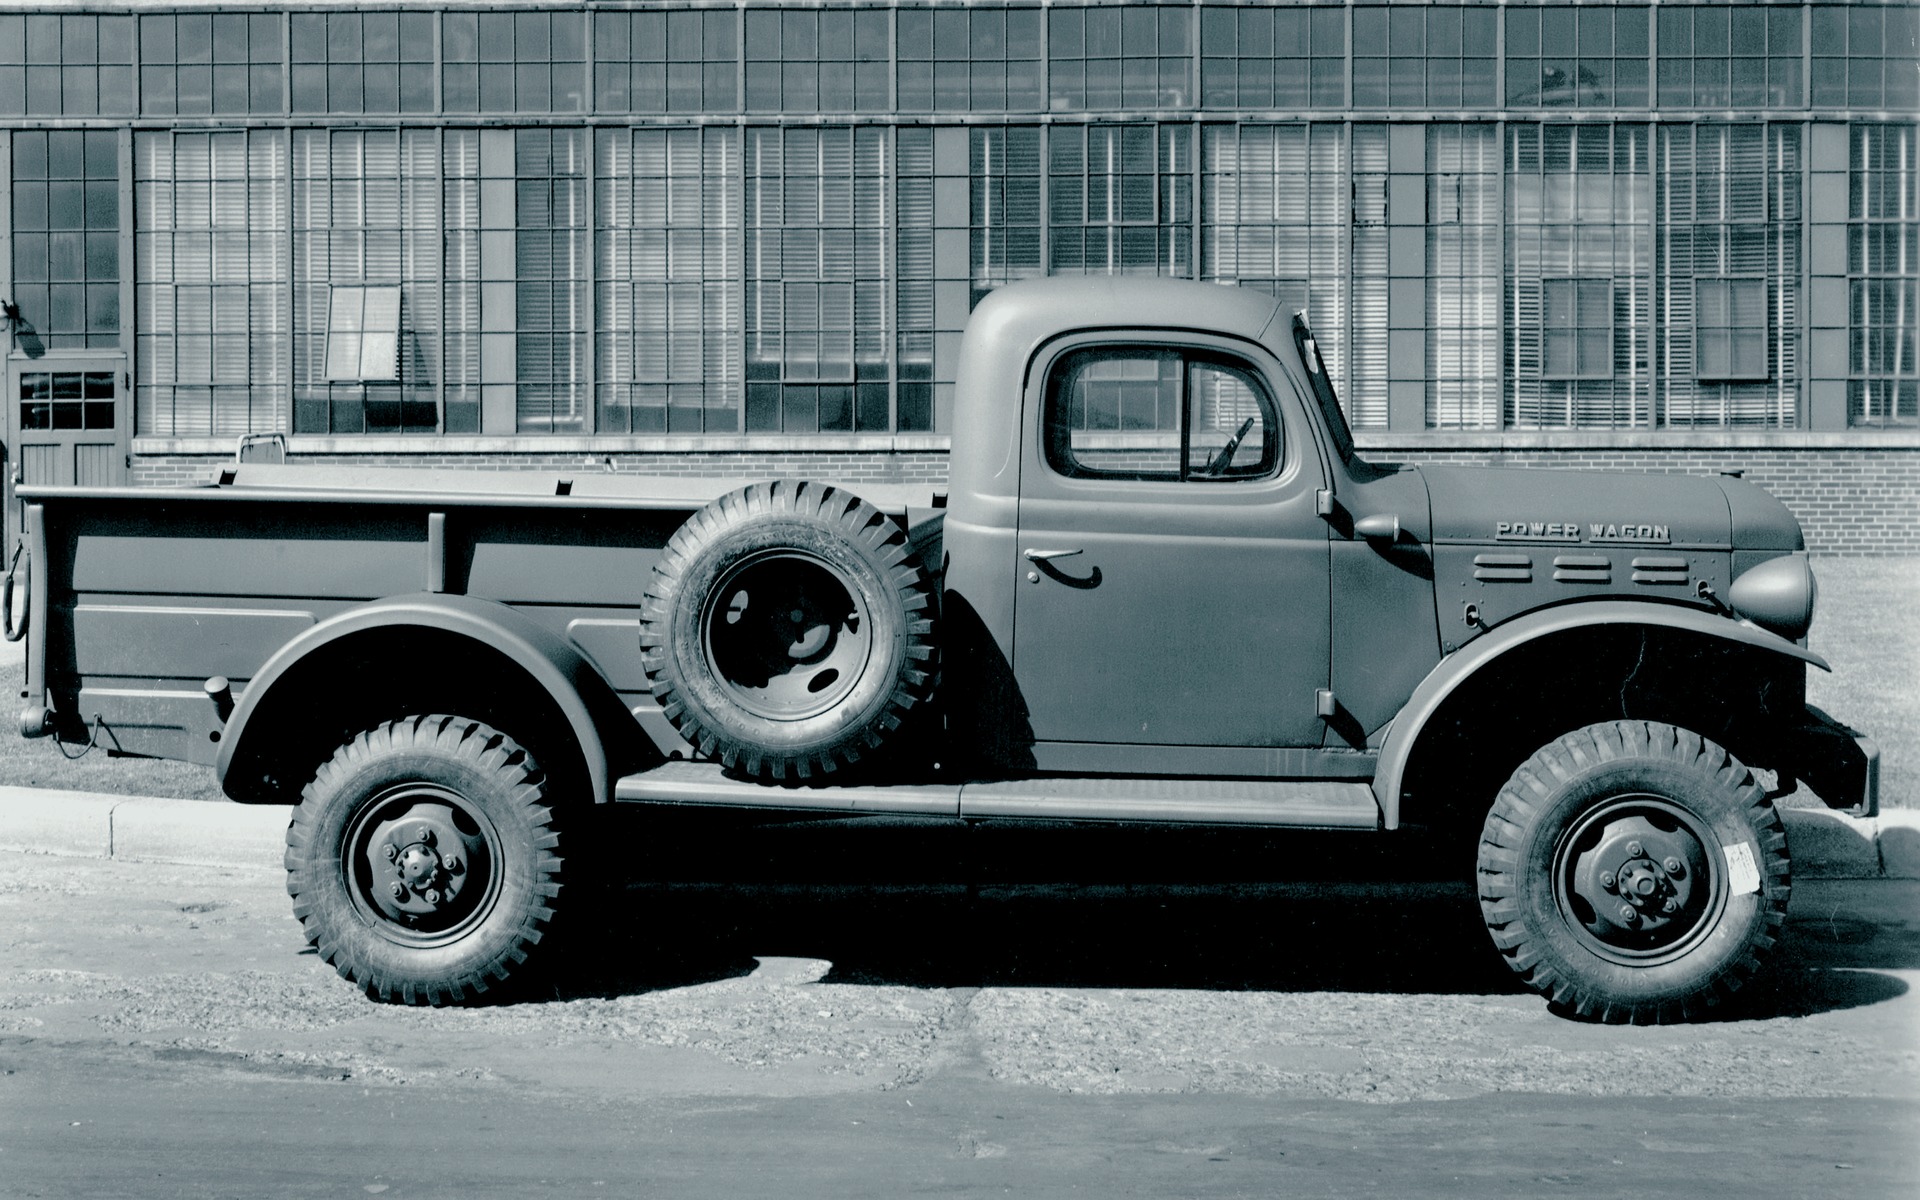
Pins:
<point x="423" y="860"/>
<point x="1634" y="871"/>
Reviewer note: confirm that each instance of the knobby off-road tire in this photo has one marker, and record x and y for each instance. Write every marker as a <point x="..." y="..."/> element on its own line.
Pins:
<point x="423" y="860"/>
<point x="1634" y="871"/>
<point x="787" y="630"/>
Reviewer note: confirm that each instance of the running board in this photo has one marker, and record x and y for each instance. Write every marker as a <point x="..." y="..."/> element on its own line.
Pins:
<point x="1317" y="804"/>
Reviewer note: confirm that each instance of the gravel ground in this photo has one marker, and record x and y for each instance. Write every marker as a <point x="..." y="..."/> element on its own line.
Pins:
<point x="204" y="967"/>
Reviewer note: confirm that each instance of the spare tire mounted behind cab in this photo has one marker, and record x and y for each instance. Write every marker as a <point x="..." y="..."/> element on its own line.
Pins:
<point x="788" y="630"/>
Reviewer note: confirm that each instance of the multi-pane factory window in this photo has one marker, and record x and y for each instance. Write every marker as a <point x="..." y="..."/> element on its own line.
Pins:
<point x="1578" y="235"/>
<point x="1716" y="56"/>
<point x="1727" y="346"/>
<point x="819" y="60"/>
<point x="978" y="60"/>
<point x="668" y="270"/>
<point x="201" y="64"/>
<point x="349" y="62"/>
<point x="817" y="250"/>
<point x="77" y="65"/>
<point x="1463" y="276"/>
<point x="514" y="61"/>
<point x="550" y="277"/>
<point x="1268" y="58"/>
<point x="1120" y="199"/>
<point x="666" y="62"/>
<point x="463" y="322"/>
<point x="1274" y="211"/>
<point x="1421" y="57"/>
<point x="368" y="221"/>
<point x="1588" y="57"/>
<point x="1365" y="396"/>
<point x="913" y="259"/>
<point x="1863" y="57"/>
<point x="1883" y="265"/>
<point x="210" y="283"/>
<point x="1125" y="57"/>
<point x="1004" y="224"/>
<point x="1730" y="328"/>
<point x="1577" y="329"/>
<point x="66" y="235"/>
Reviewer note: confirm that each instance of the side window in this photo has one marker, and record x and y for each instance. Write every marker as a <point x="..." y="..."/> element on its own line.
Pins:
<point x="1159" y="414"/>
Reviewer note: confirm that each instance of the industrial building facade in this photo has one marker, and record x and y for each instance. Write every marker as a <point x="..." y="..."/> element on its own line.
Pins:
<point x="743" y="238"/>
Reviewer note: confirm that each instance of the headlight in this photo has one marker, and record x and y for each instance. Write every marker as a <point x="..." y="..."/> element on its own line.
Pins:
<point x="1777" y="595"/>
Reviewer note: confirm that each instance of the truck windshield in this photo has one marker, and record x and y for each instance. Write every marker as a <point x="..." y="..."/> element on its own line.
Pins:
<point x="1330" y="412"/>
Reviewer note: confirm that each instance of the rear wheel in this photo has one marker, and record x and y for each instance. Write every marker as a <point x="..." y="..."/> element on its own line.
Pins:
<point x="423" y="860"/>
<point x="1633" y="871"/>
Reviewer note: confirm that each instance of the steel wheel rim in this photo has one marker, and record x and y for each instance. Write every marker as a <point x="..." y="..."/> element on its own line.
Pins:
<point x="1619" y="857"/>
<point x="445" y="860"/>
<point x="785" y="634"/>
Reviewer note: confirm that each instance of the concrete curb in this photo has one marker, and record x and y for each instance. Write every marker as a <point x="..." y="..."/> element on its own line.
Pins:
<point x="1826" y="845"/>
<point x="142" y="828"/>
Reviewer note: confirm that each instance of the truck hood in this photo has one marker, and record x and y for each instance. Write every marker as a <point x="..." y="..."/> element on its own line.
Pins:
<point x="1499" y="505"/>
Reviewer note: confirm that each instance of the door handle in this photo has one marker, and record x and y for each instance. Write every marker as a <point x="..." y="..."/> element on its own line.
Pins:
<point x="1050" y="555"/>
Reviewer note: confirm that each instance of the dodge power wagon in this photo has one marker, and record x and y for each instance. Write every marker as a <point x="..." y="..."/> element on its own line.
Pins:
<point x="1160" y="586"/>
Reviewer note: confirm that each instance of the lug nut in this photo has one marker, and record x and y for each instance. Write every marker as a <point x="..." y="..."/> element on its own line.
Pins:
<point x="1673" y="865"/>
<point x="1634" y="849"/>
<point x="426" y="837"/>
<point x="452" y="864"/>
<point x="1627" y="914"/>
<point x="399" y="890"/>
<point x="432" y="896"/>
<point x="390" y="851"/>
<point x="1669" y="905"/>
<point x="1607" y="880"/>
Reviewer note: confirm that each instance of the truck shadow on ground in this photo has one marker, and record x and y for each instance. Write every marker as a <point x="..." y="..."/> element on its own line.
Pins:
<point x="947" y="905"/>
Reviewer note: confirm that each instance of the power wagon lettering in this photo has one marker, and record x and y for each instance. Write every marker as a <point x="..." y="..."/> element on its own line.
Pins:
<point x="1569" y="531"/>
<point x="1629" y="533"/>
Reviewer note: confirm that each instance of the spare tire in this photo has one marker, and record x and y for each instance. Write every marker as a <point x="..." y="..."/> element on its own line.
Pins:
<point x="788" y="630"/>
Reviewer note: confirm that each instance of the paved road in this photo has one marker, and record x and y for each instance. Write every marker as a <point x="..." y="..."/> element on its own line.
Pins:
<point x="825" y="1031"/>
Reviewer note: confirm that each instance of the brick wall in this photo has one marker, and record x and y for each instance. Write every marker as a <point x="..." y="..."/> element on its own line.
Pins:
<point x="1850" y="500"/>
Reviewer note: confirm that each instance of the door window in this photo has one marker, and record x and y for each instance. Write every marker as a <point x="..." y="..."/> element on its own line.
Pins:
<point x="1159" y="414"/>
<point x="66" y="400"/>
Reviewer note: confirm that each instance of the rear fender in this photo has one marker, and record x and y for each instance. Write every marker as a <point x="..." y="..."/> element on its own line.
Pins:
<point x="1402" y="735"/>
<point x="565" y="675"/>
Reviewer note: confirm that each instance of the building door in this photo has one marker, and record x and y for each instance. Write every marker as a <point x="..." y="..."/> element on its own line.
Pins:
<point x="67" y="423"/>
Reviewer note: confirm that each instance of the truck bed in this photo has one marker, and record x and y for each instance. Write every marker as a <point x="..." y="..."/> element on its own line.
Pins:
<point x="141" y="595"/>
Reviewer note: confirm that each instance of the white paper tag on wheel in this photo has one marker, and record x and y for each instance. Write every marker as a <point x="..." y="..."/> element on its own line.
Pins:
<point x="1743" y="874"/>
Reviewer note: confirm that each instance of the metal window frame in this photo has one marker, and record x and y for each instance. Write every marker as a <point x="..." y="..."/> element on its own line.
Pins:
<point x="1702" y="330"/>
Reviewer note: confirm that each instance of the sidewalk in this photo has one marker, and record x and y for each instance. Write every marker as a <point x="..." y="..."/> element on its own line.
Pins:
<point x="1825" y="844"/>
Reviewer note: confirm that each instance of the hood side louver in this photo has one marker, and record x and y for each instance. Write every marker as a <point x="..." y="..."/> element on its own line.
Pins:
<point x="1582" y="568"/>
<point x="1660" y="569"/>
<point x="1503" y="568"/>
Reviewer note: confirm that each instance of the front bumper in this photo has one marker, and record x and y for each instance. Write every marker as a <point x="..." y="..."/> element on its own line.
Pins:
<point x="1840" y="764"/>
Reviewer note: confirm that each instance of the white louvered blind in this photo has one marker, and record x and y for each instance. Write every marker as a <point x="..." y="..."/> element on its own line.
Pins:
<point x="1463" y="276"/>
<point x="1729" y="229"/>
<point x="1275" y="208"/>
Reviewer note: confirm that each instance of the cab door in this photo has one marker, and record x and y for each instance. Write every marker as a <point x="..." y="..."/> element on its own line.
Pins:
<point x="1173" y="570"/>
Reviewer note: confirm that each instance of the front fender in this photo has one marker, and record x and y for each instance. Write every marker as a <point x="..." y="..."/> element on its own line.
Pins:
<point x="562" y="671"/>
<point x="1403" y="733"/>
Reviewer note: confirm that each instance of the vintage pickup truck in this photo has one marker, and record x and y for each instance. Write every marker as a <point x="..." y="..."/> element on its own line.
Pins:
<point x="1160" y="586"/>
